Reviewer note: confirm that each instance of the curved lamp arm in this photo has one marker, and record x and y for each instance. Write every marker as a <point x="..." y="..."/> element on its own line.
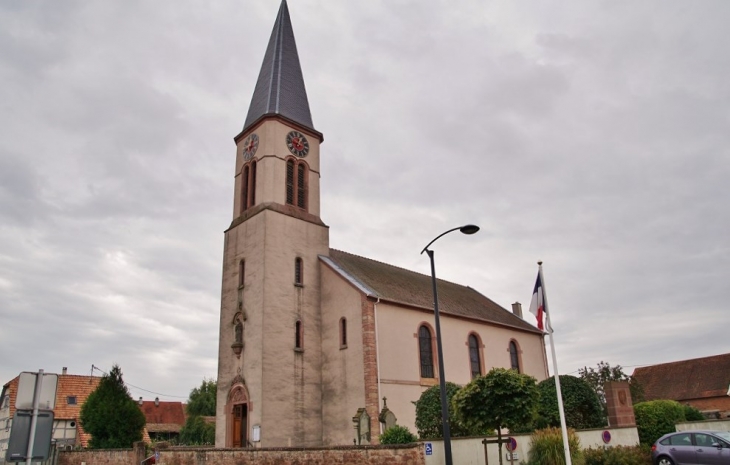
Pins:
<point x="466" y="229"/>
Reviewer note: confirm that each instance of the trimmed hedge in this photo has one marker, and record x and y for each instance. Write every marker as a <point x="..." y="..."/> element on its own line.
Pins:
<point x="618" y="455"/>
<point x="657" y="418"/>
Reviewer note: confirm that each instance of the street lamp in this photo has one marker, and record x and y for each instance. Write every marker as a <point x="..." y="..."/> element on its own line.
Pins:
<point x="467" y="229"/>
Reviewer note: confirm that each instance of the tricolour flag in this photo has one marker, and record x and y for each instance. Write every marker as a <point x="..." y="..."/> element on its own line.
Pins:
<point x="538" y="306"/>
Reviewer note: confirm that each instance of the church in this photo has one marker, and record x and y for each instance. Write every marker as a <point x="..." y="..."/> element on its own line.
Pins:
<point x="316" y="343"/>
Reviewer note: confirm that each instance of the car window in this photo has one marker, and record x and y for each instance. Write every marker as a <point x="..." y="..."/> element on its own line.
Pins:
<point x="682" y="439"/>
<point x="704" y="440"/>
<point x="724" y="435"/>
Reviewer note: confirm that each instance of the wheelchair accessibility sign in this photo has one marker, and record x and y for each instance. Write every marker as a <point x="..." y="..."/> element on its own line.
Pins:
<point x="429" y="448"/>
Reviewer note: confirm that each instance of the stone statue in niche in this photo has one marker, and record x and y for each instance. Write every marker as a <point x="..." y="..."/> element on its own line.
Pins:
<point x="237" y="345"/>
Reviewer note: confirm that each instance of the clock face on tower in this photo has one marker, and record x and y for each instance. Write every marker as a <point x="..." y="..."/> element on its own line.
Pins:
<point x="297" y="143"/>
<point x="249" y="146"/>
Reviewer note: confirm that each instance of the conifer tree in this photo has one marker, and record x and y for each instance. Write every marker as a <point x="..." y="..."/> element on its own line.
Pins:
<point x="110" y="415"/>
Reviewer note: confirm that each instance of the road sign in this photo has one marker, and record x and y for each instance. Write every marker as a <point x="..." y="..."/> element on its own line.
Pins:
<point x="26" y="389"/>
<point x="511" y="444"/>
<point x="429" y="448"/>
<point x="20" y="436"/>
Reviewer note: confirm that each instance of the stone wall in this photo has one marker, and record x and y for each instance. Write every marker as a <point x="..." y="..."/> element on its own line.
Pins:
<point x="102" y="457"/>
<point x="411" y="454"/>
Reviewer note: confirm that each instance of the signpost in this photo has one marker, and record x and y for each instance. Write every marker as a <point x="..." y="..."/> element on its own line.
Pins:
<point x="30" y="437"/>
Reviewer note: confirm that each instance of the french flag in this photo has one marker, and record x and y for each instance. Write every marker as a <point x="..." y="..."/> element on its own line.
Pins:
<point x="538" y="306"/>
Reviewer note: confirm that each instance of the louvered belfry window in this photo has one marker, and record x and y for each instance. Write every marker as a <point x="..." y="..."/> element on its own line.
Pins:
<point x="248" y="186"/>
<point x="426" y="352"/>
<point x="298" y="271"/>
<point x="296" y="183"/>
<point x="290" y="182"/>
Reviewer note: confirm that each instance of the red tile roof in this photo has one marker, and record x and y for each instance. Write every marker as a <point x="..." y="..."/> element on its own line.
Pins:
<point x="406" y="287"/>
<point x="164" y="413"/>
<point x="687" y="379"/>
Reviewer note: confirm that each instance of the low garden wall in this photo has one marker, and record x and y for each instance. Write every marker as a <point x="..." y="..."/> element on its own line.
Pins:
<point x="409" y="454"/>
<point x="717" y="425"/>
<point x="103" y="456"/>
<point x="470" y="451"/>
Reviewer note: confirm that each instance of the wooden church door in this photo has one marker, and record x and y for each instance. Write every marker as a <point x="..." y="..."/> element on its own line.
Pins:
<point x="239" y="425"/>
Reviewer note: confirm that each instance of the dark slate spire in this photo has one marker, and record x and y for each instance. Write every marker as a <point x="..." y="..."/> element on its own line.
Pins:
<point x="280" y="87"/>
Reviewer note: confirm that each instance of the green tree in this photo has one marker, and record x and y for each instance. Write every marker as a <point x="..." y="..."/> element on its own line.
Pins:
<point x="657" y="418"/>
<point x="580" y="402"/>
<point x="201" y="403"/>
<point x="428" y="414"/>
<point x="197" y="431"/>
<point x="500" y="399"/>
<point x="597" y="377"/>
<point x="110" y="415"/>
<point x="202" y="399"/>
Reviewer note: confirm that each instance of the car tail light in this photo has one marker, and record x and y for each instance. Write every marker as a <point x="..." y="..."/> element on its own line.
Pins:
<point x="653" y="447"/>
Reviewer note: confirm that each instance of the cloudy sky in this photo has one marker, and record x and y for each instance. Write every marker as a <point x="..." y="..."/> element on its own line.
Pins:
<point x="590" y="135"/>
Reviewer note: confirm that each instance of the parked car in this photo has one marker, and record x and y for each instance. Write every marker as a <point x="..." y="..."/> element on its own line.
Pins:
<point x="701" y="447"/>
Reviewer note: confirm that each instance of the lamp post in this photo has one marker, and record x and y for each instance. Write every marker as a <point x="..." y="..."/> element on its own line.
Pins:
<point x="467" y="229"/>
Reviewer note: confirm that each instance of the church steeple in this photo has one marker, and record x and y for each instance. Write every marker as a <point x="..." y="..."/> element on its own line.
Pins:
<point x="280" y="88"/>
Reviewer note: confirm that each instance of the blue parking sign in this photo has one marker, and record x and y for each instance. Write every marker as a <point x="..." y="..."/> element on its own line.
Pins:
<point x="429" y="448"/>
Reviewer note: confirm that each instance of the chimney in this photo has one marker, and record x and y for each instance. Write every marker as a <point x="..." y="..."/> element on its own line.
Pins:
<point x="517" y="309"/>
<point x="157" y="401"/>
<point x="140" y="401"/>
<point x="64" y="370"/>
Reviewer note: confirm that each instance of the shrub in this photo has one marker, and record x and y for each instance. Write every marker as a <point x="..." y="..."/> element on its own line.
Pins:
<point x="582" y="408"/>
<point x="657" y="418"/>
<point x="397" y="435"/>
<point x="547" y="447"/>
<point x="619" y="455"/>
<point x="428" y="414"/>
<point x="197" y="431"/>
<point x="692" y="414"/>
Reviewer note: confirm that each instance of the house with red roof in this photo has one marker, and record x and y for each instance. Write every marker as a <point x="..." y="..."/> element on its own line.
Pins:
<point x="703" y="383"/>
<point x="164" y="419"/>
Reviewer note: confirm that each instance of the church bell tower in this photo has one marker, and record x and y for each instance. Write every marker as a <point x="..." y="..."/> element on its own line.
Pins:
<point x="269" y="354"/>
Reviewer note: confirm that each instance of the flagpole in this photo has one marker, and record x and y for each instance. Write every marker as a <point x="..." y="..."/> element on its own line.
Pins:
<point x="549" y="327"/>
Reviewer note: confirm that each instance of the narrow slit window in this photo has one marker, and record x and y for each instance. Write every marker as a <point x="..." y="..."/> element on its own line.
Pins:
<point x="298" y="335"/>
<point x="343" y="332"/>
<point x="241" y="272"/>
<point x="298" y="271"/>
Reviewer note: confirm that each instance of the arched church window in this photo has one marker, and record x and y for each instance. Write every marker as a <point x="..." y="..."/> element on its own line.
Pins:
<point x="514" y="356"/>
<point x="296" y="183"/>
<point x="425" y="346"/>
<point x="475" y="361"/>
<point x="298" y="270"/>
